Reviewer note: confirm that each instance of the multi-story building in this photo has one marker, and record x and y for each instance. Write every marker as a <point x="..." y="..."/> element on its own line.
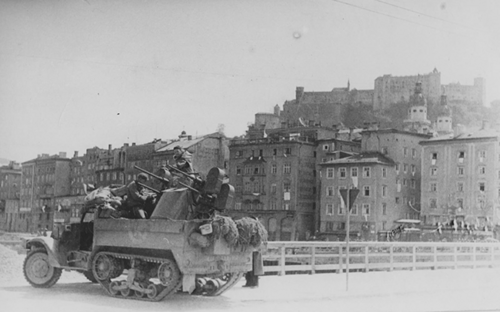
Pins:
<point x="387" y="173"/>
<point x="10" y="187"/>
<point x="207" y="151"/>
<point x="461" y="178"/>
<point x="43" y="180"/>
<point x="393" y="89"/>
<point x="275" y="179"/>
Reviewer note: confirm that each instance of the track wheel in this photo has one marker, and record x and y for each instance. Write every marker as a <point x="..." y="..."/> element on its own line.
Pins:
<point x="102" y="266"/>
<point x="168" y="273"/>
<point x="113" y="288"/>
<point x="152" y="291"/>
<point x="126" y="291"/>
<point x="90" y="276"/>
<point x="38" y="271"/>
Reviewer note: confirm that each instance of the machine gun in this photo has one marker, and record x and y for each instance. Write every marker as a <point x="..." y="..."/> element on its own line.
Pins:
<point x="198" y="183"/>
<point x="164" y="181"/>
<point x="152" y="189"/>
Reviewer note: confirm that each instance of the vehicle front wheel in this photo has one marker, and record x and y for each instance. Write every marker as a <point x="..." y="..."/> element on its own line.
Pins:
<point x="38" y="271"/>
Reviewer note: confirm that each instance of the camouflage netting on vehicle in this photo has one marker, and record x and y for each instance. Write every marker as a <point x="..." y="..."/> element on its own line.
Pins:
<point x="251" y="232"/>
<point x="225" y="227"/>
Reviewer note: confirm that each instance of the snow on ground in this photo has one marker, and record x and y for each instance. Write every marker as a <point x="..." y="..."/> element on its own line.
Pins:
<point x="422" y="290"/>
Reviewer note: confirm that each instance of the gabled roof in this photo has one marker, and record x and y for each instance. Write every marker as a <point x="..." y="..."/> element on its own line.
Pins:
<point x="185" y="144"/>
<point x="365" y="158"/>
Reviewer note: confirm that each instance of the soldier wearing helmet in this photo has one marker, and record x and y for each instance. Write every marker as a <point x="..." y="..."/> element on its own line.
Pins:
<point x="137" y="198"/>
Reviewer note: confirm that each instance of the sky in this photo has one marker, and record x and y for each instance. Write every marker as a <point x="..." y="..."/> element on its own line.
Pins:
<point x="79" y="74"/>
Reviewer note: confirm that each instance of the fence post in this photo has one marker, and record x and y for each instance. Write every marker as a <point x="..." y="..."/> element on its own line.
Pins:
<point x="367" y="260"/>
<point x="282" y="260"/>
<point x="313" y="260"/>
<point x="473" y="257"/>
<point x="340" y="260"/>
<point x="391" y="257"/>
<point x="455" y="257"/>
<point x="414" y="257"/>
<point x="434" y="257"/>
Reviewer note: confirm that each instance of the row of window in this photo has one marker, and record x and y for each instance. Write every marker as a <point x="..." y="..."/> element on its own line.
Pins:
<point x="461" y="156"/>
<point x="259" y="206"/>
<point x="461" y="171"/>
<point x="341" y="209"/>
<point x="481" y="186"/>
<point x="367" y="172"/>
<point x="254" y="153"/>
<point x="249" y="170"/>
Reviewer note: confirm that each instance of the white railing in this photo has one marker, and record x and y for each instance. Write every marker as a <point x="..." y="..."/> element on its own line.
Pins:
<point x="317" y="257"/>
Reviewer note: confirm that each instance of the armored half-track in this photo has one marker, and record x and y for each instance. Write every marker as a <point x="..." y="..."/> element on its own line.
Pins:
<point x="186" y="244"/>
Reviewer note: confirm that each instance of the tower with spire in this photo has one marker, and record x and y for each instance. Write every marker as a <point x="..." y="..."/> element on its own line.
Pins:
<point x="444" y="118"/>
<point x="417" y="113"/>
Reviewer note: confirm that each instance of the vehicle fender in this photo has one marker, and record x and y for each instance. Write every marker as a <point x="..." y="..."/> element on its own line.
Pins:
<point x="46" y="243"/>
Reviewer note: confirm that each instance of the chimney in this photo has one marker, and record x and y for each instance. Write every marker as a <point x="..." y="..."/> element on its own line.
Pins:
<point x="190" y="137"/>
<point x="109" y="147"/>
<point x="75" y="155"/>
<point x="133" y="143"/>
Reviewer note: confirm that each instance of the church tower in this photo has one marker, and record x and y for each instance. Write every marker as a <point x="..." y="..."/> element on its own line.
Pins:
<point x="443" y="125"/>
<point x="417" y="113"/>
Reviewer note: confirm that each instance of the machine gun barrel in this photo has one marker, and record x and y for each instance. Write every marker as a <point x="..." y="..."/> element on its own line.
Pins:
<point x="184" y="173"/>
<point x="149" y="188"/>
<point x="164" y="180"/>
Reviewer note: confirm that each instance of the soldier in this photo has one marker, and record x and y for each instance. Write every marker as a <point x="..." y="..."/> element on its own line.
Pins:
<point x="183" y="159"/>
<point x="137" y="199"/>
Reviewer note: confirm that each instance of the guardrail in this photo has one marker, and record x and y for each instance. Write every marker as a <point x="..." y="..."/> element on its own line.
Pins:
<point x="316" y="257"/>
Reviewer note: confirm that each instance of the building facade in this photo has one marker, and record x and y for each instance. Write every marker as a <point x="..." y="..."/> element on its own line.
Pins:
<point x="461" y="179"/>
<point x="10" y="187"/>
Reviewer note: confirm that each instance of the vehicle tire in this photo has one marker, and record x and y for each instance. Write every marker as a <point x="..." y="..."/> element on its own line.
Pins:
<point x="90" y="276"/>
<point x="38" y="271"/>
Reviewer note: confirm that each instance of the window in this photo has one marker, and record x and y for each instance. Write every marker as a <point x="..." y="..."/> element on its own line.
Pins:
<point x="288" y="151"/>
<point x="329" y="191"/>
<point x="286" y="187"/>
<point x="397" y="200"/>
<point x="384" y="190"/>
<point x="354" y="172"/>
<point x="286" y="206"/>
<point x="256" y="170"/>
<point x="256" y="187"/>
<point x="329" y="226"/>
<point x="433" y="203"/>
<point x="434" y="157"/>
<point x="405" y="151"/>
<point x="329" y="209"/>
<point x="237" y="206"/>
<point x="366" y="209"/>
<point x="413" y="169"/>
<point x="354" y="210"/>
<point x="248" y="170"/>
<point x="275" y="152"/>
<point x="325" y="147"/>
<point x="384" y="209"/>
<point x="329" y="173"/>
<point x="239" y="153"/>
<point x="274" y="169"/>
<point x="286" y="168"/>
<point x="413" y="153"/>
<point x="342" y="173"/>
<point x="341" y="210"/>
<point x="482" y="186"/>
<point x="482" y="170"/>
<point x="461" y="156"/>
<point x="238" y="170"/>
<point x="366" y="172"/>
<point x="460" y="186"/>
<point x="397" y="168"/>
<point x="433" y="171"/>
<point x="405" y="168"/>
<point x="384" y="172"/>
<point x="273" y="205"/>
<point x="482" y="156"/>
<point x="384" y="150"/>
<point x="460" y="202"/>
<point x="433" y="187"/>
<point x="366" y="191"/>
<point x="248" y="187"/>
<point x="413" y="183"/>
<point x="405" y="182"/>
<point x="460" y="171"/>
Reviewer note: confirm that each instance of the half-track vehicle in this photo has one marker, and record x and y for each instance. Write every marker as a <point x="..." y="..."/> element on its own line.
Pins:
<point x="186" y="244"/>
